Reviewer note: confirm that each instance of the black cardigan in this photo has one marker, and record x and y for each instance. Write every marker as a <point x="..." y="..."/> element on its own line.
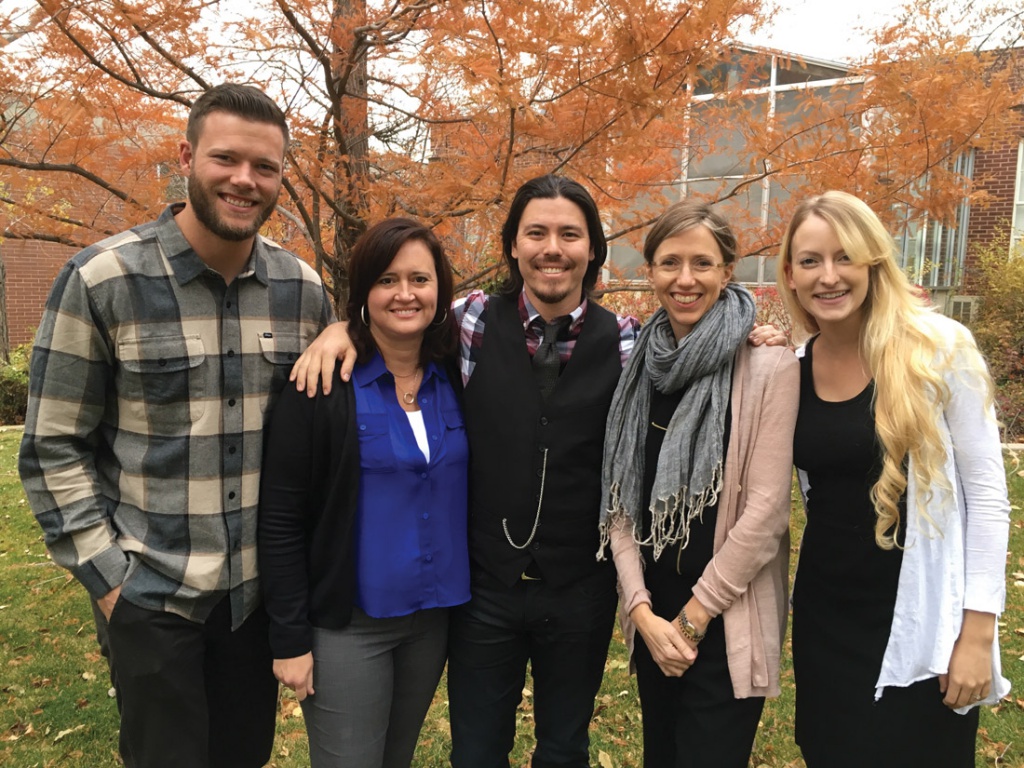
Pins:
<point x="308" y="493"/>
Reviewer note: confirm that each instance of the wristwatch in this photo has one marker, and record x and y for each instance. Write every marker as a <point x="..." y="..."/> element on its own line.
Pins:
<point x="686" y="627"/>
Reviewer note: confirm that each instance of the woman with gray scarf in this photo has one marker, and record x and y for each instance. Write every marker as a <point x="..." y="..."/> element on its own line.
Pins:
<point x="697" y="474"/>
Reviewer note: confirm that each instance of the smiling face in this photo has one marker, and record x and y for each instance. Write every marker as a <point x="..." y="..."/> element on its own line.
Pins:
<point x="552" y="248"/>
<point x="828" y="284"/>
<point x="688" y="276"/>
<point x="234" y="174"/>
<point x="403" y="300"/>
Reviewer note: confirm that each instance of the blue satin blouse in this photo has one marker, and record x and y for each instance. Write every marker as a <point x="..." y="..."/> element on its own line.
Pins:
<point x="412" y="550"/>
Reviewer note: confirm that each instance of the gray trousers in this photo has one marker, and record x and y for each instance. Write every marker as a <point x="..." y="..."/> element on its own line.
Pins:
<point x="374" y="681"/>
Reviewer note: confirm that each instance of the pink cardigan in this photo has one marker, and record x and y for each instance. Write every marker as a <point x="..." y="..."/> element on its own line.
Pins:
<point x="748" y="576"/>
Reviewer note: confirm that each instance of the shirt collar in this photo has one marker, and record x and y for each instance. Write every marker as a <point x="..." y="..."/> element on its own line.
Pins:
<point x="366" y="373"/>
<point x="185" y="262"/>
<point x="532" y="318"/>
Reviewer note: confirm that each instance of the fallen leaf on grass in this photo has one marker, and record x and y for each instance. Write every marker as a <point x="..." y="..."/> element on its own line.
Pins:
<point x="604" y="759"/>
<point x="18" y="730"/>
<point x="67" y="732"/>
<point x="90" y="676"/>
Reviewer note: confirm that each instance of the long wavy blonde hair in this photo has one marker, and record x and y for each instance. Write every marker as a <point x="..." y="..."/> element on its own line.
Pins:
<point x="898" y="342"/>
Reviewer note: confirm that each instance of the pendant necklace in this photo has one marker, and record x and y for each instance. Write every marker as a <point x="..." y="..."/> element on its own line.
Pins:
<point x="409" y="397"/>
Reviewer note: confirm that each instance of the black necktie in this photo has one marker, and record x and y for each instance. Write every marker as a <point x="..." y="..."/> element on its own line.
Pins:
<point x="546" y="362"/>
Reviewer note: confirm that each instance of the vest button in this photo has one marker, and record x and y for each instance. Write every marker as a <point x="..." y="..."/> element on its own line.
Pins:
<point x="543" y="421"/>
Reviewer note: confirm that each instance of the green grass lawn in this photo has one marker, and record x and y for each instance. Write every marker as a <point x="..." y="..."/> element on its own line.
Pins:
<point x="53" y="683"/>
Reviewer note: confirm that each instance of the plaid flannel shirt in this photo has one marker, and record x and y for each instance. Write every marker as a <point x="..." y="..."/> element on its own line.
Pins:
<point x="151" y="382"/>
<point x="470" y="317"/>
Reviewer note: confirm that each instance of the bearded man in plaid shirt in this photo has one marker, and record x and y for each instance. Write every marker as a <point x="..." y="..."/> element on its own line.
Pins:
<point x="156" y="364"/>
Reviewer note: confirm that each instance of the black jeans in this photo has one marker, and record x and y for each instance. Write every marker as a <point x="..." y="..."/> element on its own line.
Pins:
<point x="196" y="695"/>
<point x="563" y="633"/>
<point x="694" y="721"/>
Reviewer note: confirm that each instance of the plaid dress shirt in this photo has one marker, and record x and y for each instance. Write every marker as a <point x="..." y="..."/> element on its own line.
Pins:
<point x="151" y="382"/>
<point x="470" y="317"/>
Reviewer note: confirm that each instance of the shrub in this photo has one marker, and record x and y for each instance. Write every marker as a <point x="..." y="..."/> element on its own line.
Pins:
<point x="770" y="309"/>
<point x="14" y="385"/>
<point x="999" y="328"/>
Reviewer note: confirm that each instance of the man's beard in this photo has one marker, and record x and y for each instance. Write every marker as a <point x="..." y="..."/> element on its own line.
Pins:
<point x="204" y="201"/>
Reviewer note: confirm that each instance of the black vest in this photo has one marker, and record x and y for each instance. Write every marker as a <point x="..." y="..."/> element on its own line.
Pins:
<point x="509" y="428"/>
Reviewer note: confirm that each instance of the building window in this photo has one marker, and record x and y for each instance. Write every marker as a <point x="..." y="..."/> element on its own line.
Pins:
<point x="1017" y="229"/>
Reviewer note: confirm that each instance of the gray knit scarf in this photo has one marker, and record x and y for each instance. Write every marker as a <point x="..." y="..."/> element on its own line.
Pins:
<point x="689" y="474"/>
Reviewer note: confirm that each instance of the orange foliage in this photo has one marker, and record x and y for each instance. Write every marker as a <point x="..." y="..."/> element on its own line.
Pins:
<point x="441" y="110"/>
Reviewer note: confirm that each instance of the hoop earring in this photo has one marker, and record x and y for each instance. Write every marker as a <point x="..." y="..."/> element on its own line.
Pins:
<point x="443" y="318"/>
<point x="362" y="315"/>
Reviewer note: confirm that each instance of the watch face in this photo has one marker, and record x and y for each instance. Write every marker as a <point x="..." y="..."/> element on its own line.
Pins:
<point x="688" y="628"/>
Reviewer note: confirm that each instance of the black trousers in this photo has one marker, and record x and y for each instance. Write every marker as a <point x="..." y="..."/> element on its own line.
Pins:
<point x="196" y="695"/>
<point x="103" y="640"/>
<point x="694" y="721"/>
<point x="563" y="633"/>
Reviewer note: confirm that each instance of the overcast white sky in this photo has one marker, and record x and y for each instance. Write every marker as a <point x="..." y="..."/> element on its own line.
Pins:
<point x="824" y="29"/>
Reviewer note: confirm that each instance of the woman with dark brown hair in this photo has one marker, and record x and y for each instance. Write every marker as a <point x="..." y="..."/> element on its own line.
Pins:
<point x="363" y="545"/>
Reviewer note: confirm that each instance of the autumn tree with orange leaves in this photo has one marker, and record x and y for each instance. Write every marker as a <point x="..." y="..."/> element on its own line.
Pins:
<point x="441" y="110"/>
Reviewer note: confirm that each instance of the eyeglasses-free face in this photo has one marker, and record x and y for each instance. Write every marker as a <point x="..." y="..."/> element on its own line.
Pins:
<point x="827" y="283"/>
<point x="688" y="275"/>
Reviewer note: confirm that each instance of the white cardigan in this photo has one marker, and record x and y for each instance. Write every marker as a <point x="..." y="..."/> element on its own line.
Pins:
<point x="959" y="562"/>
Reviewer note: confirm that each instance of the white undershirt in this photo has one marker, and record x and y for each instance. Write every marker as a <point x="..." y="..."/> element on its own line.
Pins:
<point x="419" y="431"/>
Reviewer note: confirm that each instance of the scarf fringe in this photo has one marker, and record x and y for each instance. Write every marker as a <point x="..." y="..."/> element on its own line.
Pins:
<point x="670" y="518"/>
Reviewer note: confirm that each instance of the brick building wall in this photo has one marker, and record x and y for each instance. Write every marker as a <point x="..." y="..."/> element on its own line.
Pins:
<point x="995" y="170"/>
<point x="30" y="267"/>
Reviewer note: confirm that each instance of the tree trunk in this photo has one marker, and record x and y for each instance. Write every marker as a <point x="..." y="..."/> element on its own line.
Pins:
<point x="5" y="333"/>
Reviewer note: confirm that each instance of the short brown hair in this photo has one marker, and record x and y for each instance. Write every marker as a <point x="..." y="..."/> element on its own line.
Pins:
<point x="243" y="101"/>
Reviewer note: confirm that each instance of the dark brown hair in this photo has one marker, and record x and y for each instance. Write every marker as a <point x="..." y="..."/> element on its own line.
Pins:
<point x="550" y="187"/>
<point x="243" y="101"/>
<point x="371" y="256"/>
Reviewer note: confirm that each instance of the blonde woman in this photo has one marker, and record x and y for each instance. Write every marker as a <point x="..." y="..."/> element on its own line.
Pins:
<point x="900" y="576"/>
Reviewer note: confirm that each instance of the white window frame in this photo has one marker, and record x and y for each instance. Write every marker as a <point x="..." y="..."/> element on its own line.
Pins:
<point x="1017" y="224"/>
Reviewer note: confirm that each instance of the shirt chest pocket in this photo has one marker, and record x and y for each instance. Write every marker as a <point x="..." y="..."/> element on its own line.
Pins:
<point x="456" y="443"/>
<point x="163" y="379"/>
<point x="376" y="452"/>
<point x="279" y="353"/>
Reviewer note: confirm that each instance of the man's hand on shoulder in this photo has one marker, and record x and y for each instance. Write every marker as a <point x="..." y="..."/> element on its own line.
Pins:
<point x="767" y="335"/>
<point x="317" y="362"/>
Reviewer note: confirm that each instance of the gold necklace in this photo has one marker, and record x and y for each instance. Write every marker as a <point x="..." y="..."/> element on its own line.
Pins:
<point x="408" y="397"/>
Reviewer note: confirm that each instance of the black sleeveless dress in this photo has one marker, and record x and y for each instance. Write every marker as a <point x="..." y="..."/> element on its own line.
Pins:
<point x="843" y="601"/>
